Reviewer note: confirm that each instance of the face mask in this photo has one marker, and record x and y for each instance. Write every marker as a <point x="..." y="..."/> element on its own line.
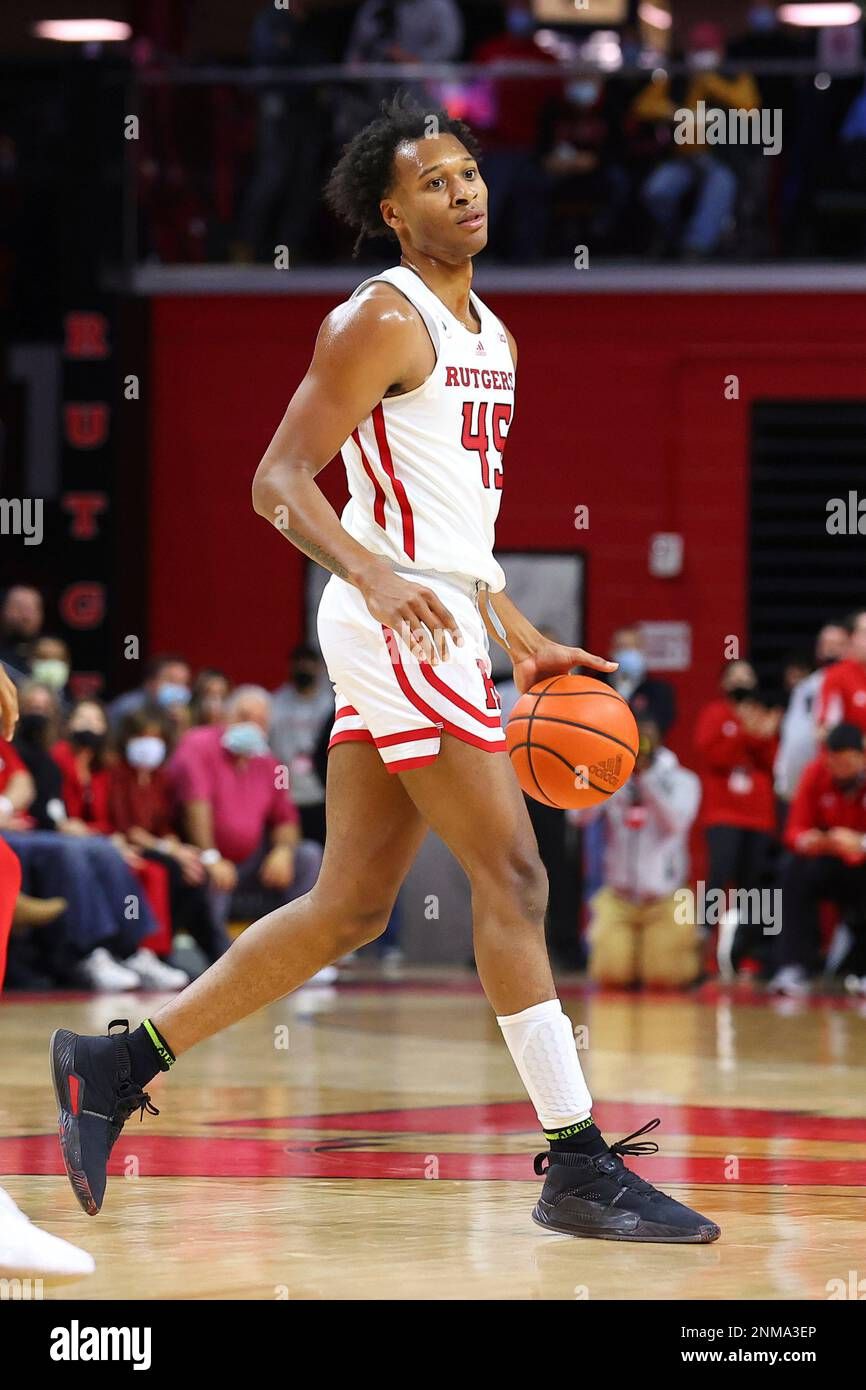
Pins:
<point x="304" y="679"/>
<point x="847" y="784"/>
<point x="583" y="93"/>
<point x="87" y="738"/>
<point x="520" y="23"/>
<point x="51" y="671"/>
<point x="32" y="727"/>
<point x="245" y="740"/>
<point x="169" y="694"/>
<point x="828" y="661"/>
<point x="632" y="664"/>
<point x="147" y="751"/>
<point x="739" y="693"/>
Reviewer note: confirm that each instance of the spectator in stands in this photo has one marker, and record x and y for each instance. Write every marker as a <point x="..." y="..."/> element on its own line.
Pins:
<point x="648" y="696"/>
<point x="826" y="836"/>
<point x="692" y="171"/>
<point x="88" y="873"/>
<point x="37" y="730"/>
<point x="237" y="808"/>
<point x="843" y="690"/>
<point x="736" y="742"/>
<point x="141" y="810"/>
<point x="638" y="935"/>
<point x="582" y="160"/>
<point x="21" y="617"/>
<point x="518" y="192"/>
<point x="281" y="198"/>
<point x="50" y="663"/>
<point x="167" y="683"/>
<point x="798" y="743"/>
<point x="298" y="710"/>
<point x="209" y="694"/>
<point x="394" y="31"/>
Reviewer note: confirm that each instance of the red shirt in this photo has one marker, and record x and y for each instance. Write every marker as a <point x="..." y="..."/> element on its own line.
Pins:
<point x="518" y="101"/>
<point x="819" y="804"/>
<point x="245" y="798"/>
<point x="736" y="770"/>
<point x="87" y="801"/>
<point x="144" y="802"/>
<point x="10" y="763"/>
<point x="843" y="695"/>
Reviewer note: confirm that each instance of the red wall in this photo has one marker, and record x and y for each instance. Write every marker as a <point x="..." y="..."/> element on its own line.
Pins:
<point x="620" y="407"/>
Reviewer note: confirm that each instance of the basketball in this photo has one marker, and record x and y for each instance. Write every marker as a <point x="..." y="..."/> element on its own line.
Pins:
<point x="572" y="741"/>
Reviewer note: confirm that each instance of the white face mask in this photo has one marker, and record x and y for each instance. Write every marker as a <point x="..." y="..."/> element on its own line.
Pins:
<point x="146" y="752"/>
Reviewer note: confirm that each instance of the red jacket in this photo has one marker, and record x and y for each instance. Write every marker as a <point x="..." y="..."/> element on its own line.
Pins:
<point x="736" y="770"/>
<point x="819" y="804"/>
<point x="843" y="695"/>
<point x="83" y="801"/>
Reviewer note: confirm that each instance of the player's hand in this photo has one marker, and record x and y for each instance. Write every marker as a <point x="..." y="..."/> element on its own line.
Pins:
<point x="555" y="659"/>
<point x="415" y="613"/>
<point x="8" y="705"/>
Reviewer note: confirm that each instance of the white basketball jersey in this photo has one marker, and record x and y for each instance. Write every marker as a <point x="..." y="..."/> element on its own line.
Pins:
<point x="425" y="468"/>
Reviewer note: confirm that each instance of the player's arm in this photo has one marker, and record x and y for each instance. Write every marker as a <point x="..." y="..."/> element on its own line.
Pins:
<point x="534" y="656"/>
<point x="364" y="348"/>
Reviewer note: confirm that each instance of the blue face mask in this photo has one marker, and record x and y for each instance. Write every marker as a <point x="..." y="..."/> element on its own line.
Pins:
<point x="632" y="663"/>
<point x="245" y="740"/>
<point x="169" y="694"/>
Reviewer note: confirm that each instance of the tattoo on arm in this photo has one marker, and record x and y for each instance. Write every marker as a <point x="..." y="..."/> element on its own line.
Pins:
<point x="315" y="552"/>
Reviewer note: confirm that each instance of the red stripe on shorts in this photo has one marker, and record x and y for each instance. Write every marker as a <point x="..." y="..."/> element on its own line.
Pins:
<point x="427" y="710"/>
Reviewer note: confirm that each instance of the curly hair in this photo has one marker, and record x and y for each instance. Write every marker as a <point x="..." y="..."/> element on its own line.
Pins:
<point x="365" y="171"/>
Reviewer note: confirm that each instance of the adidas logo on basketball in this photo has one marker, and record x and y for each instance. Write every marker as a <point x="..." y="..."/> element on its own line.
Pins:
<point x="607" y="771"/>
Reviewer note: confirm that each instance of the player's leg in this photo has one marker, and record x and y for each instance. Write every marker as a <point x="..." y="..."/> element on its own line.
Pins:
<point x="373" y="833"/>
<point x="471" y="798"/>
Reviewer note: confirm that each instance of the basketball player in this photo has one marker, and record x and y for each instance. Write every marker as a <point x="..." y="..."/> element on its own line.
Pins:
<point x="412" y="379"/>
<point x="24" y="1248"/>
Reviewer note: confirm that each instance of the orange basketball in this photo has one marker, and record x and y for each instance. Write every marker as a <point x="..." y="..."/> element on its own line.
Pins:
<point x="572" y="741"/>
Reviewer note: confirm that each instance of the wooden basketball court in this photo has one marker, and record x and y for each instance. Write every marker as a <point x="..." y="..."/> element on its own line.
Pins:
<point x="373" y="1141"/>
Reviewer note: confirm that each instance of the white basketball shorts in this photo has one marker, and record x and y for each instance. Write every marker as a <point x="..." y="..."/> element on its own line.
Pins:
<point x="385" y="696"/>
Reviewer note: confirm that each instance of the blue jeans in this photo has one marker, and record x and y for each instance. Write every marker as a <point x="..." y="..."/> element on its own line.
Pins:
<point x="252" y="899"/>
<point x="90" y="874"/>
<point x="668" y="185"/>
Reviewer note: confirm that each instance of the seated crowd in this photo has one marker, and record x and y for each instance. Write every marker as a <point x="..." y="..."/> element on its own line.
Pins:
<point x="146" y="826"/>
<point x="780" y="800"/>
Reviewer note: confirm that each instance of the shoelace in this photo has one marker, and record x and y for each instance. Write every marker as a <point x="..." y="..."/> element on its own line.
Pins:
<point x="623" y="1146"/>
<point x="617" y="1150"/>
<point x="131" y="1098"/>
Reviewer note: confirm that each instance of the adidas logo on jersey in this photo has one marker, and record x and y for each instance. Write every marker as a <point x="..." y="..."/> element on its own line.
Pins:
<point x="607" y="771"/>
<point x="481" y="350"/>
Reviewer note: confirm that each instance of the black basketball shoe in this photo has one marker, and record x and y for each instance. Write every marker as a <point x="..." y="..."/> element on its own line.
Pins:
<point x="95" y="1097"/>
<point x="601" y="1198"/>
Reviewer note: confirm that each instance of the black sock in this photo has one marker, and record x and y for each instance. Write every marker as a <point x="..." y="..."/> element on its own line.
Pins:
<point x="583" y="1137"/>
<point x="150" y="1053"/>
